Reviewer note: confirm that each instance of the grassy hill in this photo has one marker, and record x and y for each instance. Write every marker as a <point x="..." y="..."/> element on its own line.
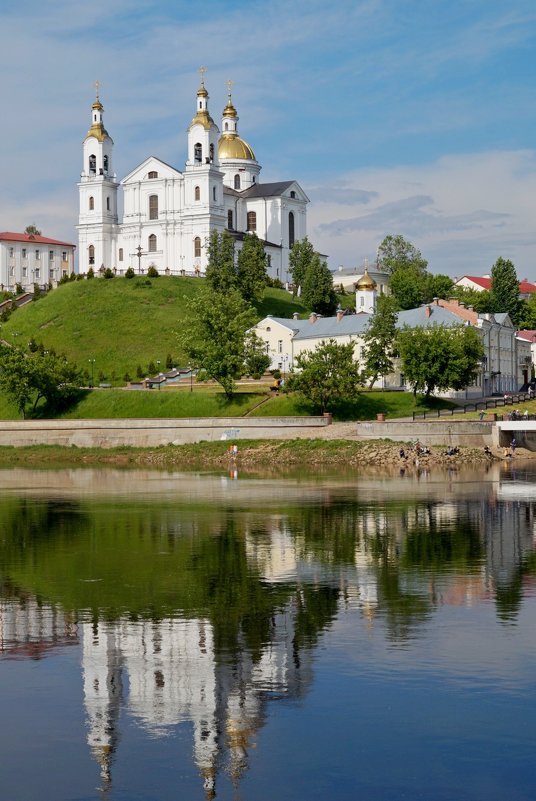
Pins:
<point x="120" y="323"/>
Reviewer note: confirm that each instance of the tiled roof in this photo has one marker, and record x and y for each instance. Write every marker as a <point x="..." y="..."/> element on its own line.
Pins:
<point x="267" y="190"/>
<point x="525" y="287"/>
<point x="8" y="236"/>
<point x="528" y="334"/>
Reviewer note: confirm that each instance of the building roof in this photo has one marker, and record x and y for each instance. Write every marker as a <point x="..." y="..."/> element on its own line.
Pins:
<point x="327" y="327"/>
<point x="267" y="190"/>
<point x="528" y="334"/>
<point x="525" y="287"/>
<point x="426" y="316"/>
<point x="32" y="239"/>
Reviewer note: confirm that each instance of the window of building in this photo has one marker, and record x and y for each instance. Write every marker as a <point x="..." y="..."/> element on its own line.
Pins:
<point x="12" y="271"/>
<point x="91" y="203"/>
<point x="198" y="152"/>
<point x="64" y="255"/>
<point x="252" y="221"/>
<point x="153" y="207"/>
<point x="24" y="272"/>
<point x="37" y="255"/>
<point x="197" y="193"/>
<point x="120" y="254"/>
<point x="37" y="272"/>
<point x="23" y="253"/>
<point x="213" y="193"/>
<point x="254" y="179"/>
<point x="290" y="229"/>
<point x="11" y="252"/>
<point x="280" y="346"/>
<point x="230" y="219"/>
<point x="226" y="126"/>
<point x="268" y="261"/>
<point x="91" y="254"/>
<point x="197" y="247"/>
<point x="107" y="204"/>
<point x="152" y="244"/>
<point x="51" y="255"/>
<point x="92" y="165"/>
<point x="211" y="152"/>
<point x="152" y="174"/>
<point x="237" y="181"/>
<point x="293" y="193"/>
<point x="105" y="162"/>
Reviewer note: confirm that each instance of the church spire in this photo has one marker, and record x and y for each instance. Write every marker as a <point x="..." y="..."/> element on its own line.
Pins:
<point x="97" y="125"/>
<point x="202" y="116"/>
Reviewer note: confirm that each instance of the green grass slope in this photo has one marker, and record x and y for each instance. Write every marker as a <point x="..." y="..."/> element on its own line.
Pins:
<point x="120" y="323"/>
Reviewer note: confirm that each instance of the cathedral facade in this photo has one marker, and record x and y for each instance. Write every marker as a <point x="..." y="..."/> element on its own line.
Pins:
<point x="168" y="215"/>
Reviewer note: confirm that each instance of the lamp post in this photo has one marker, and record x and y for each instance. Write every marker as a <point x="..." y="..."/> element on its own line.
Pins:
<point x="191" y="369"/>
<point x="139" y="252"/>
<point x="92" y="363"/>
<point x="159" y="373"/>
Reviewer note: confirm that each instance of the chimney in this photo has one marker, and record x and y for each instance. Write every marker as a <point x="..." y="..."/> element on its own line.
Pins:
<point x="295" y="316"/>
<point x="427" y="311"/>
<point x="313" y="317"/>
<point x="340" y="314"/>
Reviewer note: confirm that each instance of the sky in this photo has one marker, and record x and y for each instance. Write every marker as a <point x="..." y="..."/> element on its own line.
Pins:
<point x="412" y="117"/>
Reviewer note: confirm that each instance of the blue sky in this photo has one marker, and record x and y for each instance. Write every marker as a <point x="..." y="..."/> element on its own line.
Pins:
<point x="396" y="116"/>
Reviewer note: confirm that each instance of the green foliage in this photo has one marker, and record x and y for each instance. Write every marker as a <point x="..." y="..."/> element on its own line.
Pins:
<point x="527" y="313"/>
<point x="480" y="301"/>
<point x="328" y="375"/>
<point x="379" y="339"/>
<point x="169" y="361"/>
<point x="108" y="273"/>
<point x="437" y="286"/>
<point x="90" y="273"/>
<point x="407" y="286"/>
<point x="396" y="253"/>
<point x="213" y="335"/>
<point x="221" y="274"/>
<point x="18" y="289"/>
<point x="63" y="280"/>
<point x="32" y="230"/>
<point x="152" y="272"/>
<point x="251" y="268"/>
<point x="299" y="260"/>
<point x="129" y="273"/>
<point x="505" y="288"/>
<point x="256" y="360"/>
<point x="440" y="357"/>
<point x="318" y="292"/>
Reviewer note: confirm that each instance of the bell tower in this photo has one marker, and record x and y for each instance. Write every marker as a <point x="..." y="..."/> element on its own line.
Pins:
<point x="97" y="222"/>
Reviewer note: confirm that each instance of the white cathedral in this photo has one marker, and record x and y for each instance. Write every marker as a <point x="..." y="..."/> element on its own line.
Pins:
<point x="168" y="215"/>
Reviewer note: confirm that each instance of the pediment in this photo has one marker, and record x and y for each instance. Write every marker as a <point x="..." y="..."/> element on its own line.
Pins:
<point x="151" y="165"/>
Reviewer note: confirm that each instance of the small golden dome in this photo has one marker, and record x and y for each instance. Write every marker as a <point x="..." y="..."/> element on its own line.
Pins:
<point x="202" y="118"/>
<point x="231" y="146"/>
<point x="202" y="92"/>
<point x="229" y="110"/>
<point x="366" y="282"/>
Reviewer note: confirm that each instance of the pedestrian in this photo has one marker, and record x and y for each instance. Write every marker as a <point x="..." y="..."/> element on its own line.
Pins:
<point x="402" y="453"/>
<point x="481" y="415"/>
<point x="513" y="446"/>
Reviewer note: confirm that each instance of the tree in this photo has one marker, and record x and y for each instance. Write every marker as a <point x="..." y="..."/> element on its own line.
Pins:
<point x="299" y="259"/>
<point x="396" y="253"/>
<point x="527" y="313"/>
<point x="379" y="339"/>
<point x="214" y="335"/>
<point x="505" y="288"/>
<point x="251" y="268"/>
<point x="31" y="230"/>
<point x="479" y="300"/>
<point x="439" y="357"/>
<point x="221" y="273"/>
<point x="318" y="292"/>
<point x="256" y="360"/>
<point x="436" y="286"/>
<point x="329" y="374"/>
<point x="407" y="286"/>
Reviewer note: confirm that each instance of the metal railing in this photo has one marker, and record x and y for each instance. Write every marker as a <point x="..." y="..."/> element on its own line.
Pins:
<point x="483" y="405"/>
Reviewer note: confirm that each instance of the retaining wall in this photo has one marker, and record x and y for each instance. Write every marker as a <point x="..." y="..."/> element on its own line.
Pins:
<point x="151" y="433"/>
<point x="472" y="433"/>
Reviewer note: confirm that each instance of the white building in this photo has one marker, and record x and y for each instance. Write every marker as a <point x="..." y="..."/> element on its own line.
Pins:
<point x="169" y="215"/>
<point x="28" y="259"/>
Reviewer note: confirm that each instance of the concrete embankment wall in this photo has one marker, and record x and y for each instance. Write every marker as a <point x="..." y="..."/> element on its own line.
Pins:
<point x="471" y="433"/>
<point x="151" y="433"/>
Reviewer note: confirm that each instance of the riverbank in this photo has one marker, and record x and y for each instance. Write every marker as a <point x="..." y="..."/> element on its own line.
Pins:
<point x="251" y="455"/>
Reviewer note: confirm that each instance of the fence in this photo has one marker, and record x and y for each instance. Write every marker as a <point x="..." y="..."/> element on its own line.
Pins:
<point x="493" y="403"/>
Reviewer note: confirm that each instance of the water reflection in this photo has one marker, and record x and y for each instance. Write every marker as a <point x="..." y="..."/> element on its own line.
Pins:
<point x="205" y="604"/>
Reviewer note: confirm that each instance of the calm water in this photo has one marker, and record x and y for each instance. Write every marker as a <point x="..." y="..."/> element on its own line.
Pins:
<point x="171" y="636"/>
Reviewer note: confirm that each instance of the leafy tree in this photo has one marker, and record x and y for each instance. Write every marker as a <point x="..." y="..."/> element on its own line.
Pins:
<point x="251" y="268"/>
<point x="129" y="273"/>
<point x="505" y="288"/>
<point x="256" y="360"/>
<point x="108" y="273"/>
<point x="480" y="301"/>
<point x="527" y="313"/>
<point x="436" y="286"/>
<point x="318" y="292"/>
<point x="379" y="339"/>
<point x="396" y="253"/>
<point x="152" y="272"/>
<point x="407" y="286"/>
<point x="214" y="335"/>
<point x="300" y="257"/>
<point x="91" y="273"/>
<point x="440" y="357"/>
<point x="221" y="271"/>
<point x="328" y="374"/>
<point x="31" y="230"/>
<point x="169" y="361"/>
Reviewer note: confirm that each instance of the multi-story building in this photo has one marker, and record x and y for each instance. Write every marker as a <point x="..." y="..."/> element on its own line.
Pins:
<point x="28" y="259"/>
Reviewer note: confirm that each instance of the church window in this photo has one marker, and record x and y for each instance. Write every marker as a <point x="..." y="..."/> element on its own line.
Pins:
<point x="152" y="244"/>
<point x="230" y="219"/>
<point x="213" y="193"/>
<point x="91" y="203"/>
<point x="92" y="165"/>
<point x="91" y="253"/>
<point x="197" y="247"/>
<point x="290" y="229"/>
<point x="153" y="207"/>
<point x="106" y="164"/>
<point x="211" y="153"/>
<point x="293" y="193"/>
<point x="254" y="179"/>
<point x="152" y="174"/>
<point x="107" y="204"/>
<point x="120" y="254"/>
<point x="252" y="221"/>
<point x="237" y="181"/>
<point x="197" y="193"/>
<point x="198" y="152"/>
<point x="268" y="261"/>
<point x="226" y="126"/>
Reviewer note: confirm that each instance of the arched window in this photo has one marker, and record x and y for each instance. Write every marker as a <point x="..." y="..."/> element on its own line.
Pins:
<point x="226" y="126"/>
<point x="211" y="151"/>
<point x="105" y="161"/>
<point x="152" y="244"/>
<point x="213" y="193"/>
<point x="92" y="165"/>
<point x="290" y="229"/>
<point x="197" y="193"/>
<point x="120" y="254"/>
<point x="254" y="179"/>
<point x="152" y="174"/>
<point x="252" y="221"/>
<point x="197" y="247"/>
<point x="91" y="254"/>
<point x="293" y="193"/>
<point x="91" y="203"/>
<point x="198" y="152"/>
<point x="107" y="204"/>
<point x="153" y="207"/>
<point x="230" y="219"/>
<point x="237" y="181"/>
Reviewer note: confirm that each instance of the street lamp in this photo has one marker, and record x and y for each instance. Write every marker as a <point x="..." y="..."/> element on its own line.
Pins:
<point x="139" y="252"/>
<point x="92" y="363"/>
<point x="159" y="373"/>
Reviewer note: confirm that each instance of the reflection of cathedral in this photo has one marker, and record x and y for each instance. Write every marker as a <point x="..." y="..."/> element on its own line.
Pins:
<point x="173" y="676"/>
<point x="31" y="629"/>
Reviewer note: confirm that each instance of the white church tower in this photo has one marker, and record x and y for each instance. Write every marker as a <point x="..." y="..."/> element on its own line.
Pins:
<point x="97" y="228"/>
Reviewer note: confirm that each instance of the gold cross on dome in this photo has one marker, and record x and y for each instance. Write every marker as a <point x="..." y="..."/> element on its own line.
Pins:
<point x="202" y="71"/>
<point x="229" y="87"/>
<point x="98" y="85"/>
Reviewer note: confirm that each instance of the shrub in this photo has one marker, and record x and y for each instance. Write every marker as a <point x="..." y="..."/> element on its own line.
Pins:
<point x="152" y="272"/>
<point x="129" y="273"/>
<point x="18" y="289"/>
<point x="90" y="273"/>
<point x="108" y="273"/>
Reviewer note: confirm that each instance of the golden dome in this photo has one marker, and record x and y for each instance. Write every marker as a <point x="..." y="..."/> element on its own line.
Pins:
<point x="231" y="146"/>
<point x="366" y="282"/>
<point x="202" y="118"/>
<point x="229" y="110"/>
<point x="202" y="92"/>
<point x="98" y="131"/>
